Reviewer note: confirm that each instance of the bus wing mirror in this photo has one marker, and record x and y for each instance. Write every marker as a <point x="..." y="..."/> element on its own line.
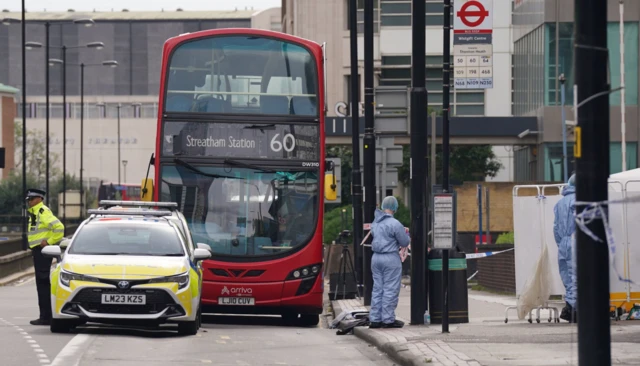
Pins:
<point x="146" y="191"/>
<point x="330" y="188"/>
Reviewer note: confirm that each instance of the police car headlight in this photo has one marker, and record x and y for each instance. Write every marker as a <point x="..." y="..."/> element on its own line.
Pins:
<point x="67" y="277"/>
<point x="182" y="280"/>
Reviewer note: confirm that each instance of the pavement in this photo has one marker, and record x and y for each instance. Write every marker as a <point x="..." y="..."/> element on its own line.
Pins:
<point x="222" y="340"/>
<point x="487" y="339"/>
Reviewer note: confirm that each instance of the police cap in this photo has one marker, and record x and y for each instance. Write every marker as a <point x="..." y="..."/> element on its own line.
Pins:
<point x="32" y="192"/>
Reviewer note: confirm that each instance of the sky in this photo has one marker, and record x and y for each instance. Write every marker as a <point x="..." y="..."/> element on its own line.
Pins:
<point x="149" y="5"/>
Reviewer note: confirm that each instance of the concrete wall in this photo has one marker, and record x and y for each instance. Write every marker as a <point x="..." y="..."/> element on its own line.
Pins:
<point x="268" y="19"/>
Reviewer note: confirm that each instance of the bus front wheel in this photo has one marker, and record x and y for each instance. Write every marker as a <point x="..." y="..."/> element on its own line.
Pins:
<point x="309" y="320"/>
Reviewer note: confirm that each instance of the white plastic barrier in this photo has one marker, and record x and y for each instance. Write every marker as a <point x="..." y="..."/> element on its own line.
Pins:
<point x="533" y="227"/>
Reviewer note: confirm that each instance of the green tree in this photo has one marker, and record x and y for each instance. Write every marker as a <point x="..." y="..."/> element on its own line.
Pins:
<point x="336" y="220"/>
<point x="11" y="192"/>
<point x="341" y="218"/>
<point x="466" y="163"/>
<point x="36" y="155"/>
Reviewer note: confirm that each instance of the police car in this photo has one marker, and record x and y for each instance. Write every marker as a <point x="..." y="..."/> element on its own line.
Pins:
<point x="129" y="263"/>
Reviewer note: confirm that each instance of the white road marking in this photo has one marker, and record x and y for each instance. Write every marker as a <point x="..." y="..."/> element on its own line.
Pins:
<point x="39" y="352"/>
<point x="32" y="279"/>
<point x="71" y="354"/>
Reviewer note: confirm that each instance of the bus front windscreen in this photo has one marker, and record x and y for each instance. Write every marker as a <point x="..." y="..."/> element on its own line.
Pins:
<point x="244" y="212"/>
<point x="242" y="75"/>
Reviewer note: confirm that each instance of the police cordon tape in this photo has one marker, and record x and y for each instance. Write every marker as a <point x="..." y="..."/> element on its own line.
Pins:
<point x="479" y="255"/>
<point x="404" y="252"/>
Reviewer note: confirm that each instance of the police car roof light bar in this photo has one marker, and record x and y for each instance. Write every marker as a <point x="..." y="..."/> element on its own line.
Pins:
<point x="129" y="212"/>
<point x="171" y="205"/>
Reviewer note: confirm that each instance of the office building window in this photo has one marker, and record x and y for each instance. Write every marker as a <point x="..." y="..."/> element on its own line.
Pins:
<point x="396" y="71"/>
<point x="564" y="62"/>
<point x="376" y="16"/>
<point x="397" y="13"/>
<point x="529" y="72"/>
<point x="553" y="168"/>
<point x="630" y="62"/>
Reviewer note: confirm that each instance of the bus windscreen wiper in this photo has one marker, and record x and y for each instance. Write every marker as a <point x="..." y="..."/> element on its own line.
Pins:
<point x="262" y="127"/>
<point x="247" y="165"/>
<point x="198" y="171"/>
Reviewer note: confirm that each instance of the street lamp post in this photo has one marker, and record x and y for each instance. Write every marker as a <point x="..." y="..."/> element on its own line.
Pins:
<point x="63" y="62"/>
<point x="111" y="63"/>
<point x="124" y="163"/>
<point x="565" y="164"/>
<point x="24" y="126"/>
<point x="30" y="45"/>
<point x="119" y="106"/>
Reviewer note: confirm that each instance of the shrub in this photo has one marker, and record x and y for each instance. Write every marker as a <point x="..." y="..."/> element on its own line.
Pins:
<point x="505" y="238"/>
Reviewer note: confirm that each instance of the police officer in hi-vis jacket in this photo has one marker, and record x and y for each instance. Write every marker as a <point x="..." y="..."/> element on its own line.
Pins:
<point x="44" y="229"/>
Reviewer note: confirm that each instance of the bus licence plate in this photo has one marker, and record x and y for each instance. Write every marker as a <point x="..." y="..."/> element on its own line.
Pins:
<point x="236" y="301"/>
<point x="124" y="299"/>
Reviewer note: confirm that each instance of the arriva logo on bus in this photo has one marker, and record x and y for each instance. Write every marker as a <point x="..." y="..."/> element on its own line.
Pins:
<point x="236" y="291"/>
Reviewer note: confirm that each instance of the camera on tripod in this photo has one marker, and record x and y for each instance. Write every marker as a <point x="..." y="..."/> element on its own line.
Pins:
<point x="343" y="284"/>
<point x="343" y="237"/>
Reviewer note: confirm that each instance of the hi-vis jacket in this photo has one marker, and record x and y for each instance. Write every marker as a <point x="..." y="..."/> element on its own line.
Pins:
<point x="44" y="226"/>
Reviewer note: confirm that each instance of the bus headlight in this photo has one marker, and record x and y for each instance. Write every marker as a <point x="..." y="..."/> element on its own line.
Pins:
<point x="304" y="272"/>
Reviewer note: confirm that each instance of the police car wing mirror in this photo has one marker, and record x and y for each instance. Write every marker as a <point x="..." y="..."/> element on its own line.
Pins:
<point x="201" y="254"/>
<point x="52" y="251"/>
<point x="65" y="243"/>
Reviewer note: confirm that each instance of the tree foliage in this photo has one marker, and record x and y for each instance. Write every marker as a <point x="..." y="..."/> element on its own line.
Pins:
<point x="11" y="193"/>
<point x="36" y="153"/>
<point x="466" y="163"/>
<point x="341" y="218"/>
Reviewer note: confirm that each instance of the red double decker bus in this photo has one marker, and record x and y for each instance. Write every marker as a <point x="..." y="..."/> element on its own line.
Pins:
<point x="240" y="148"/>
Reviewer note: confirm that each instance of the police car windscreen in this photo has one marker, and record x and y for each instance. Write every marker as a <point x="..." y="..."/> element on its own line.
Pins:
<point x="127" y="239"/>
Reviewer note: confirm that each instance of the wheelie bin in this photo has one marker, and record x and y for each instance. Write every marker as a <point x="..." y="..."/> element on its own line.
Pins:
<point x="458" y="297"/>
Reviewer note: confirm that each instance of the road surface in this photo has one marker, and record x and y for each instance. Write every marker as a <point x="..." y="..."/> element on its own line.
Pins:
<point x="221" y="341"/>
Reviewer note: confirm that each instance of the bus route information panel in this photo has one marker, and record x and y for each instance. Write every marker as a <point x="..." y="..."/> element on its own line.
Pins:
<point x="237" y="140"/>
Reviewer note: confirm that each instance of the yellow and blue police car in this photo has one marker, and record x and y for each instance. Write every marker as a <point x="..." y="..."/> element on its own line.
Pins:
<point x="128" y="264"/>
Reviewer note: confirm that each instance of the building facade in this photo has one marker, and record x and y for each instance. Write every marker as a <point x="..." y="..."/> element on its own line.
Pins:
<point x="543" y="51"/>
<point x="7" y="135"/>
<point x="130" y="90"/>
<point x="327" y="21"/>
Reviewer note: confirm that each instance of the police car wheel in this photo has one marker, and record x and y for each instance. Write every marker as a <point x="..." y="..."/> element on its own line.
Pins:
<point x="188" y="328"/>
<point x="60" y="326"/>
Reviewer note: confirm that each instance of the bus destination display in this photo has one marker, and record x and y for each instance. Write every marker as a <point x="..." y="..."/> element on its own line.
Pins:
<point x="266" y="141"/>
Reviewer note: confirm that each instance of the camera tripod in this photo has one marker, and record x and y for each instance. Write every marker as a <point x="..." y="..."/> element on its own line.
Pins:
<point x="345" y="265"/>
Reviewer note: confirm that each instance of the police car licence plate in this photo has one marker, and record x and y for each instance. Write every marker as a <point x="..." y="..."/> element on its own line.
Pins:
<point x="246" y="301"/>
<point x="124" y="299"/>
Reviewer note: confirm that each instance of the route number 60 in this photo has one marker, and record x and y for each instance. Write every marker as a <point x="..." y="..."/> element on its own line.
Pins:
<point x="288" y="143"/>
